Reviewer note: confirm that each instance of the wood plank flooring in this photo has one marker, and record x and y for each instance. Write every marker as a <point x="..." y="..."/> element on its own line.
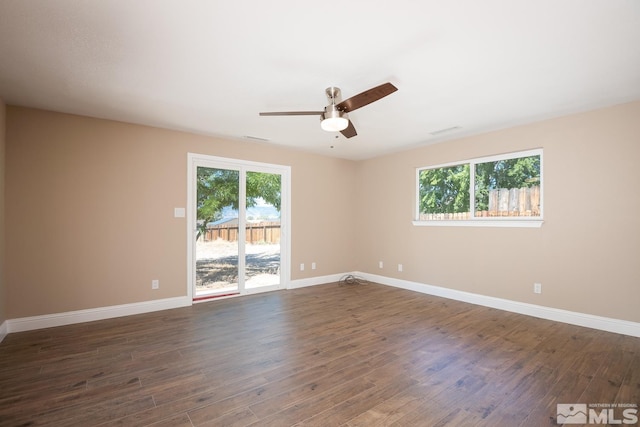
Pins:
<point x="329" y="355"/>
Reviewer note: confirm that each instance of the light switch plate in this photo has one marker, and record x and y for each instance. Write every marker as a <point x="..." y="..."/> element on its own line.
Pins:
<point x="178" y="212"/>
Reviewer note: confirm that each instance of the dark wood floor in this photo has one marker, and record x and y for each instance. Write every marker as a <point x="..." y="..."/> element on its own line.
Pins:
<point x="330" y="355"/>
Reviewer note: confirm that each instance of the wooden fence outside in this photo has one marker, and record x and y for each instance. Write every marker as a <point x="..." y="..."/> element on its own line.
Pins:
<point x="522" y="202"/>
<point x="261" y="232"/>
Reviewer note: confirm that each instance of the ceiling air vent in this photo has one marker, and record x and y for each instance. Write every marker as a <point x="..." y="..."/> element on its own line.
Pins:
<point x="447" y="130"/>
<point x="255" y="138"/>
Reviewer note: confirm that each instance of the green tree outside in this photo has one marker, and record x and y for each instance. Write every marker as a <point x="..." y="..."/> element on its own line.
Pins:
<point x="446" y="190"/>
<point x="219" y="188"/>
<point x="521" y="172"/>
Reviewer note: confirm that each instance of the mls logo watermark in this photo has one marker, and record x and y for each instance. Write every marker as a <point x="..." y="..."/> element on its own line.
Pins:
<point x="597" y="413"/>
<point x="571" y="413"/>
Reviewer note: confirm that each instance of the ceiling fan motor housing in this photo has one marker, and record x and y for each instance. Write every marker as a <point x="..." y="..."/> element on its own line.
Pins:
<point x="333" y="119"/>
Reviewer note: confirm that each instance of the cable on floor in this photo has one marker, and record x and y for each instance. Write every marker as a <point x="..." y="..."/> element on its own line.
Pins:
<point x="350" y="279"/>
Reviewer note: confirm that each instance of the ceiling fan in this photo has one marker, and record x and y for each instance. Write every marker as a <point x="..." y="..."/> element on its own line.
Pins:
<point x="335" y="117"/>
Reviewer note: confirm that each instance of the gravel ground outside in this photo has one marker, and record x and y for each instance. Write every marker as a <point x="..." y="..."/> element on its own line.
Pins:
<point x="217" y="265"/>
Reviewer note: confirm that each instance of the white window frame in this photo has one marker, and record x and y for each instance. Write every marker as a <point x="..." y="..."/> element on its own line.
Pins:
<point x="502" y="221"/>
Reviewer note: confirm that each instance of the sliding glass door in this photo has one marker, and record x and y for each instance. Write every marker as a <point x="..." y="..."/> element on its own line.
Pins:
<point x="217" y="250"/>
<point x="238" y="225"/>
<point x="263" y="228"/>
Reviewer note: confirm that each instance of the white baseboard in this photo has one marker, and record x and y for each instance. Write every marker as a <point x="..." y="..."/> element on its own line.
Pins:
<point x="319" y="280"/>
<point x="89" y="315"/>
<point x="549" y="313"/>
<point x="4" y="330"/>
<point x="580" y="319"/>
<point x="71" y="317"/>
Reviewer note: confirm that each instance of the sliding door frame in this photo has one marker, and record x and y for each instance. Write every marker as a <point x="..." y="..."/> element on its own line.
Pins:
<point x="195" y="160"/>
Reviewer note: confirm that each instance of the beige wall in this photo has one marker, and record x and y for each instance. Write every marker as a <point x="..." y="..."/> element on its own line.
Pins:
<point x="89" y="208"/>
<point x="586" y="255"/>
<point x="3" y="299"/>
<point x="89" y="214"/>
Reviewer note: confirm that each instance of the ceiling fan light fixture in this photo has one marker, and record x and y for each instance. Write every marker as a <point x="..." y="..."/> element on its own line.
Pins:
<point x="334" y="120"/>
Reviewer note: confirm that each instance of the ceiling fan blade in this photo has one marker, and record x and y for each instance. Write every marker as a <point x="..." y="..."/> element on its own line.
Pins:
<point x="350" y="131"/>
<point x="292" y="113"/>
<point x="366" y="97"/>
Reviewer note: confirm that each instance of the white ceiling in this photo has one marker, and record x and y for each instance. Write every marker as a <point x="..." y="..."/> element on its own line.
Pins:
<point x="210" y="66"/>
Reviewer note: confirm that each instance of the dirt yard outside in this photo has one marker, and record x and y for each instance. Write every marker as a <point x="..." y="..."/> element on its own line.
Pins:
<point x="217" y="265"/>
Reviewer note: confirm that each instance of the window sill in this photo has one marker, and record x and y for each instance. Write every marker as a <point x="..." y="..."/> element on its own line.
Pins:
<point x="515" y="223"/>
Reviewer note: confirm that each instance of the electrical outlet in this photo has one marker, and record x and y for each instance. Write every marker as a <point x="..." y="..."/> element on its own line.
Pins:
<point x="399" y="267"/>
<point x="313" y="265"/>
<point x="302" y="267"/>
<point x="380" y="265"/>
<point x="537" y="288"/>
<point x="155" y="284"/>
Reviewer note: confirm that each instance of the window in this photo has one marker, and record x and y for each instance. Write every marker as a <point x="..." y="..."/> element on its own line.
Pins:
<point x="503" y="190"/>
